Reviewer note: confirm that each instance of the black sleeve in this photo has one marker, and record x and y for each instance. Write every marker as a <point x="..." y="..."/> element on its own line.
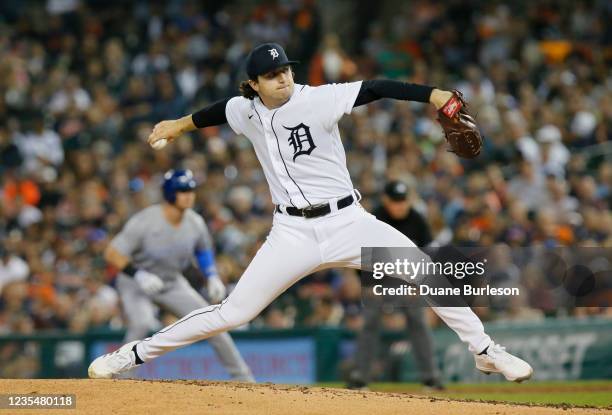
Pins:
<point x="384" y="88"/>
<point x="213" y="114"/>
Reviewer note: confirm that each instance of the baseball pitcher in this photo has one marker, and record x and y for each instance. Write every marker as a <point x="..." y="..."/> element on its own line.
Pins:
<point x="318" y="222"/>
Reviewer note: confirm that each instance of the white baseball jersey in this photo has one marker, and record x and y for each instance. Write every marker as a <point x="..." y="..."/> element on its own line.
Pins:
<point x="298" y="144"/>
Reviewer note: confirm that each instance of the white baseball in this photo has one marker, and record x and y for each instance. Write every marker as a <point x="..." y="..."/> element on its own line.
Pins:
<point x="159" y="144"/>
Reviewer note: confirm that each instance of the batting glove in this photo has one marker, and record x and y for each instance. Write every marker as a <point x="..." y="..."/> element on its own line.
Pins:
<point x="216" y="289"/>
<point x="150" y="283"/>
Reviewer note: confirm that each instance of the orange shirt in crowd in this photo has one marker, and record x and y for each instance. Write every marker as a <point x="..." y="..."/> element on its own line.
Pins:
<point x="27" y="189"/>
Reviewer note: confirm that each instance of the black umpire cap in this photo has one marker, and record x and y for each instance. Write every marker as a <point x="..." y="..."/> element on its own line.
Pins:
<point x="265" y="58"/>
<point x="396" y="190"/>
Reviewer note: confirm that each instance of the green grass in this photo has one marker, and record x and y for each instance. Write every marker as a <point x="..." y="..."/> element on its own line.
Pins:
<point x="584" y="393"/>
<point x="601" y="399"/>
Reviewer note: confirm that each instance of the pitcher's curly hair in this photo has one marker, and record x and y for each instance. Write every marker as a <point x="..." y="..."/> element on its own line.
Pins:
<point x="247" y="91"/>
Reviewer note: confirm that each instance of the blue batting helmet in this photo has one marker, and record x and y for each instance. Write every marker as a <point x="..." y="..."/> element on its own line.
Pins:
<point x="177" y="181"/>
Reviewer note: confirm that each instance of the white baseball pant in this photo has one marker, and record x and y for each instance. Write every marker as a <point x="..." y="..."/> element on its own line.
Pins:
<point x="297" y="247"/>
<point x="179" y="298"/>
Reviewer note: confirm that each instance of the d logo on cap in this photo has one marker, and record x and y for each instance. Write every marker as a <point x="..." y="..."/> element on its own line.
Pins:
<point x="258" y="62"/>
<point x="274" y="53"/>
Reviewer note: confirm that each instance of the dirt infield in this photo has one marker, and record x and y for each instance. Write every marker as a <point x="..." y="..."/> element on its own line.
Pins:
<point x="197" y="397"/>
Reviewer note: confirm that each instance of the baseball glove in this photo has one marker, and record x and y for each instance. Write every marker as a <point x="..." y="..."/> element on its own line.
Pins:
<point x="462" y="134"/>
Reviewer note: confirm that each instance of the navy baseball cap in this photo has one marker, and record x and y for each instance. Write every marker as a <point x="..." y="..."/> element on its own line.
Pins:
<point x="396" y="190"/>
<point x="265" y="58"/>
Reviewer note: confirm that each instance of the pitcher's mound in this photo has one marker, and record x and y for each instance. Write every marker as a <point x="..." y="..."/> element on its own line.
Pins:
<point x="199" y="397"/>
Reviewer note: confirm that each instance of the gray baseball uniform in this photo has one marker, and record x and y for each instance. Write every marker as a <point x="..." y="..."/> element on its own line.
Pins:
<point x="154" y="245"/>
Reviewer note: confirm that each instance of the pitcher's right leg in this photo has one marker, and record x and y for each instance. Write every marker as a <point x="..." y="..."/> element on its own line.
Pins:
<point x="181" y="299"/>
<point x="289" y="253"/>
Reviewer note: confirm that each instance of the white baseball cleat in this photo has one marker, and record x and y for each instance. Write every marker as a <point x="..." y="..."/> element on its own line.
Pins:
<point x="119" y="361"/>
<point x="498" y="360"/>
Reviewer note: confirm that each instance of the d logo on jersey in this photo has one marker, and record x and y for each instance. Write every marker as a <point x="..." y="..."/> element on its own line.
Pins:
<point x="301" y="140"/>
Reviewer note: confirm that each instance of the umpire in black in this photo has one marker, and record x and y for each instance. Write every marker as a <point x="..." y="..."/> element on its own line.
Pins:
<point x="396" y="210"/>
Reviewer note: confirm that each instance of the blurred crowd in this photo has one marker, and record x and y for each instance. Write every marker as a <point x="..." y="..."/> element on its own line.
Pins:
<point x="82" y="84"/>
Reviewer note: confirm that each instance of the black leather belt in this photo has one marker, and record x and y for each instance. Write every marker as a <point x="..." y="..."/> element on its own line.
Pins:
<point x="315" y="211"/>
